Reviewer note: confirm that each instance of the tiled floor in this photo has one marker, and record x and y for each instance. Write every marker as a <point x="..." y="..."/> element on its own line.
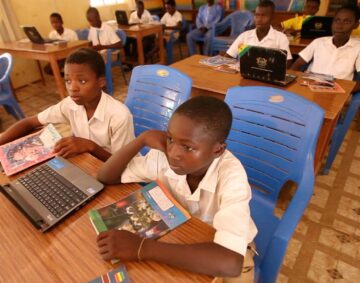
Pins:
<point x="326" y="245"/>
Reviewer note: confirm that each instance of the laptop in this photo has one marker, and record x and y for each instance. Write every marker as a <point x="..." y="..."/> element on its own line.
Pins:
<point x="265" y="64"/>
<point x="35" y="37"/>
<point x="51" y="191"/>
<point x="315" y="26"/>
<point x="121" y="17"/>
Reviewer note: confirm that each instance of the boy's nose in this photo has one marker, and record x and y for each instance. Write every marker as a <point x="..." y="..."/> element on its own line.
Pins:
<point x="174" y="152"/>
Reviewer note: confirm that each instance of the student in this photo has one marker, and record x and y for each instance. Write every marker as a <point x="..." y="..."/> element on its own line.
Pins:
<point x="337" y="55"/>
<point x="141" y="15"/>
<point x="208" y="15"/>
<point x="293" y="25"/>
<point x="264" y="34"/>
<point x="192" y="161"/>
<point x="172" y="20"/>
<point x="100" y="124"/>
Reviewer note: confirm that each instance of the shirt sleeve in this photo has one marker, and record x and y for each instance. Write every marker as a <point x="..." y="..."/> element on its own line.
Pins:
<point x="52" y="35"/>
<point x="357" y="62"/>
<point x="307" y="54"/>
<point x="133" y="18"/>
<point x="163" y="19"/>
<point x="73" y="36"/>
<point x="92" y="36"/>
<point x="111" y="35"/>
<point x="288" y="24"/>
<point x="233" y="49"/>
<point x="284" y="44"/>
<point x="200" y="17"/>
<point x="54" y="114"/>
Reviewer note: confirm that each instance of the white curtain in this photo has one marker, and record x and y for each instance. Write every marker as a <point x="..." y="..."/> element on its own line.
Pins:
<point x="9" y="27"/>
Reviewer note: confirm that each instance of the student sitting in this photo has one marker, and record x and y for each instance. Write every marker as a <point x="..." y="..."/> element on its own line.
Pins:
<point x="171" y="20"/>
<point x="337" y="55"/>
<point x="293" y="25"/>
<point x="141" y="15"/>
<point x="263" y="35"/>
<point x="191" y="159"/>
<point x="100" y="124"/>
<point x="208" y="15"/>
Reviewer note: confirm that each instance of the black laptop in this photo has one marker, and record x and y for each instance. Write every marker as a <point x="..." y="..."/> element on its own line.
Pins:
<point x="265" y="64"/>
<point x="315" y="26"/>
<point x="121" y="18"/>
<point x="35" y="37"/>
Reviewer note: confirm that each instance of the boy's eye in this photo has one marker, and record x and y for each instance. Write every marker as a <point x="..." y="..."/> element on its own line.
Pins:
<point x="67" y="81"/>
<point x="83" y="82"/>
<point x="169" y="139"/>
<point x="188" y="148"/>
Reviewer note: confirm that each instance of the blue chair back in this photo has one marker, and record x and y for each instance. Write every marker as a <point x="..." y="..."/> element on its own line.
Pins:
<point x="7" y="98"/>
<point x="274" y="134"/>
<point x="122" y="35"/>
<point x="155" y="91"/>
<point x="82" y="34"/>
<point x="240" y="22"/>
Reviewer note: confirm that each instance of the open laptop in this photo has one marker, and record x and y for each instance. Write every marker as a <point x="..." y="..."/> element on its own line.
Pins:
<point x="265" y="64"/>
<point x="315" y="26"/>
<point x="35" y="37"/>
<point x="121" y="17"/>
<point x="51" y="191"/>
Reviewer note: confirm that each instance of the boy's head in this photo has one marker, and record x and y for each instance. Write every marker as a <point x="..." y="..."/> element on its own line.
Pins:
<point x="140" y="7"/>
<point x="93" y="17"/>
<point x="56" y="22"/>
<point x="170" y="6"/>
<point x="196" y="135"/>
<point x="263" y="14"/>
<point x="210" y="2"/>
<point x="84" y="75"/>
<point x="311" y="7"/>
<point x="345" y="20"/>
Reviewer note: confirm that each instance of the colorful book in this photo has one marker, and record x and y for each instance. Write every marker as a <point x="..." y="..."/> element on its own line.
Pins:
<point x="27" y="151"/>
<point x="118" y="275"/>
<point x="217" y="60"/>
<point x="316" y="87"/>
<point x="149" y="212"/>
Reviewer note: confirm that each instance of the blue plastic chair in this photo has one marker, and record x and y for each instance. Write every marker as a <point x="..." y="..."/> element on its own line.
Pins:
<point x="6" y="96"/>
<point x="155" y="91"/>
<point x="274" y="134"/>
<point x="185" y="27"/>
<point x="341" y="130"/>
<point x="110" y="63"/>
<point x="82" y="34"/>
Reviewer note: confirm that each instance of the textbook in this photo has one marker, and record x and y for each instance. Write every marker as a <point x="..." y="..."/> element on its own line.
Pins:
<point x="117" y="275"/>
<point x="321" y="83"/>
<point x="27" y="151"/>
<point x="149" y="212"/>
<point x="221" y="63"/>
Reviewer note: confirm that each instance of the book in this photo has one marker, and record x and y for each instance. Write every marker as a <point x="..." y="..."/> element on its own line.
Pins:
<point x="222" y="64"/>
<point x="148" y="212"/>
<point x="117" y="275"/>
<point x="27" y="151"/>
<point x="316" y="87"/>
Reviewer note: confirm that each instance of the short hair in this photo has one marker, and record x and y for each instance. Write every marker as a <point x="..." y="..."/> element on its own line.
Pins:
<point x="213" y="114"/>
<point x="171" y="3"/>
<point x="56" y="15"/>
<point x="267" y="4"/>
<point x="315" y="1"/>
<point x="140" y="2"/>
<point x="352" y="8"/>
<point x="89" y="57"/>
<point x="92" y="10"/>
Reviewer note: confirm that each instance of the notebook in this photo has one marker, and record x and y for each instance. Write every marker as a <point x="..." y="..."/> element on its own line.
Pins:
<point x="35" y="37"/>
<point x="315" y="26"/>
<point x="264" y="64"/>
<point x="51" y="191"/>
<point x="121" y="17"/>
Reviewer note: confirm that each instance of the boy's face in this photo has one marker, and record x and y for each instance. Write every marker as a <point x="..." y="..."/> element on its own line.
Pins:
<point x="82" y="83"/>
<point x="170" y="9"/>
<point x="140" y="8"/>
<point x="190" y="149"/>
<point x="94" y="19"/>
<point x="343" y="24"/>
<point x="56" y="23"/>
<point x="263" y="17"/>
<point x="311" y="8"/>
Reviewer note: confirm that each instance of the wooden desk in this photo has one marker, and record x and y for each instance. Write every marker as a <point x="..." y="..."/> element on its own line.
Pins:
<point x="207" y="81"/>
<point x="297" y="44"/>
<point x="46" y="52"/>
<point x="68" y="252"/>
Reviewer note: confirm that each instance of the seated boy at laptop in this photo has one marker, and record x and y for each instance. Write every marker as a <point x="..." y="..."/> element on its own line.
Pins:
<point x="191" y="159"/>
<point x="263" y="35"/>
<point x="99" y="123"/>
<point x="337" y="55"/>
<point x="141" y="15"/>
<point x="171" y="20"/>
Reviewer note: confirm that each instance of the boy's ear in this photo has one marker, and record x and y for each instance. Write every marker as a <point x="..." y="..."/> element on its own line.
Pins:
<point x="101" y="81"/>
<point x="219" y="149"/>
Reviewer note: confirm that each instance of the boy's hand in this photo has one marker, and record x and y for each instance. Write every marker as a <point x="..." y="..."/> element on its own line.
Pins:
<point x="70" y="146"/>
<point x="98" y="47"/>
<point x="203" y="29"/>
<point x="154" y="139"/>
<point x="118" y="244"/>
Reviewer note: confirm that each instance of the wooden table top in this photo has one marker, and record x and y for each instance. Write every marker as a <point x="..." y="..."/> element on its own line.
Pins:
<point x="207" y="79"/>
<point x="68" y="252"/>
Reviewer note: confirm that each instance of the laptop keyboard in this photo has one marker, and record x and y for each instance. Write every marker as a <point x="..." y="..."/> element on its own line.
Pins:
<point x="56" y="193"/>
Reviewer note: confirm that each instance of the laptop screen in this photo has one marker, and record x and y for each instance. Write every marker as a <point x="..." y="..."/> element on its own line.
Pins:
<point x="314" y="26"/>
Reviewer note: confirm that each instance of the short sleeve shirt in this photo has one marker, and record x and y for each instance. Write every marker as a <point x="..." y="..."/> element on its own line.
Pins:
<point x="68" y="35"/>
<point x="145" y="18"/>
<point x="105" y="35"/>
<point x="171" y="20"/>
<point x="294" y="23"/>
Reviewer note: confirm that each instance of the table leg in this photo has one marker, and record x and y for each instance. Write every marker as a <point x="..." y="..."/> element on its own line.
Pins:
<point x="161" y="47"/>
<point x="41" y="72"/>
<point x="58" y="79"/>
<point x="140" y="50"/>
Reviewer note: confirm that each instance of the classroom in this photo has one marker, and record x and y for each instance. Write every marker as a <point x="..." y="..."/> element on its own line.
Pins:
<point x="142" y="115"/>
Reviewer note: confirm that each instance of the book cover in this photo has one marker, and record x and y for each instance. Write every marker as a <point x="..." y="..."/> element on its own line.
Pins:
<point x="118" y="275"/>
<point x="217" y="60"/>
<point x="149" y="212"/>
<point x="27" y="151"/>
<point x="319" y="87"/>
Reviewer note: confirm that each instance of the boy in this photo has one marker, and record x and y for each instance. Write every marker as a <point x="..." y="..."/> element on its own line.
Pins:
<point x="294" y="25"/>
<point x="208" y="15"/>
<point x="100" y="124"/>
<point x="140" y="16"/>
<point x="171" y="20"/>
<point x="192" y="161"/>
<point x="337" y="55"/>
<point x="263" y="35"/>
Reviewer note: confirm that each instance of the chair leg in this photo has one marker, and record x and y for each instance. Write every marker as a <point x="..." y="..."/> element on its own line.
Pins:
<point x="180" y="50"/>
<point x="123" y="73"/>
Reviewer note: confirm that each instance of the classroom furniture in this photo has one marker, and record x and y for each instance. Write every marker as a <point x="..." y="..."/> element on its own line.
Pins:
<point x="82" y="34"/>
<point x="155" y="91"/>
<point x="207" y="81"/>
<point x="7" y="99"/>
<point x="340" y="131"/>
<point x="274" y="134"/>
<point x="185" y="28"/>
<point x="46" y="52"/>
<point x="110" y="63"/>
<point x="68" y="252"/>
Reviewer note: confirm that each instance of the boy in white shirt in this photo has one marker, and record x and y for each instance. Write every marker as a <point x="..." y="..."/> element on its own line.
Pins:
<point x="264" y="34"/>
<point x="190" y="159"/>
<point x="172" y="20"/>
<point x="140" y="16"/>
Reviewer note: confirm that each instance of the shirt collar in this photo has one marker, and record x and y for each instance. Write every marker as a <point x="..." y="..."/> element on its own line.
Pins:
<point x="270" y="34"/>
<point x="350" y="43"/>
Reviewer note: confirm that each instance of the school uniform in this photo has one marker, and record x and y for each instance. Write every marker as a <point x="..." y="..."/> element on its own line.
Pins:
<point x="171" y="21"/>
<point x="294" y="23"/>
<point x="274" y="39"/>
<point x="326" y="58"/>
<point x="67" y="35"/>
<point x="144" y="19"/>
<point x="105" y="35"/>
<point x="111" y="126"/>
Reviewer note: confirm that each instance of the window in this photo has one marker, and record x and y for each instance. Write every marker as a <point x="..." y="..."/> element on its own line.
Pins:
<point x="99" y="3"/>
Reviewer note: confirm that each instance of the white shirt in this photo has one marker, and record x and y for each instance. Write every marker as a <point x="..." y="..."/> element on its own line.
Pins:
<point x="171" y="21"/>
<point x="145" y="18"/>
<point x="328" y="59"/>
<point x="274" y="39"/>
<point x="105" y="34"/>
<point x="111" y="126"/>
<point x="221" y="199"/>
<point x="68" y="35"/>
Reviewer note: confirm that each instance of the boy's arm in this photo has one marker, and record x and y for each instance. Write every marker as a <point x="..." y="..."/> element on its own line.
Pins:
<point x="20" y="129"/>
<point x="298" y="64"/>
<point x="117" y="45"/>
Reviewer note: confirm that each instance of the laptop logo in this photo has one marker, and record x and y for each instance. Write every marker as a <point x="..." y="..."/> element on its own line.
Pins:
<point x="318" y="25"/>
<point x="261" y="62"/>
